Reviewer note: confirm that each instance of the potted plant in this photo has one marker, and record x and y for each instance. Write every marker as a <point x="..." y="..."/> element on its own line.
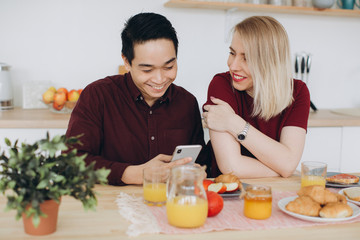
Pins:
<point x="35" y="176"/>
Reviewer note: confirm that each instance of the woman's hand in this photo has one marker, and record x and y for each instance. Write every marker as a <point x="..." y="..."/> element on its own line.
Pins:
<point x="218" y="117"/>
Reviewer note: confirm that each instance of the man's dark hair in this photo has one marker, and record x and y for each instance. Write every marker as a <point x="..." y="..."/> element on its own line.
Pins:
<point x="144" y="27"/>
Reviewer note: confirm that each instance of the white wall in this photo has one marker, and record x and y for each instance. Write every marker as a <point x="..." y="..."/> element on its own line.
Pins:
<point x="71" y="43"/>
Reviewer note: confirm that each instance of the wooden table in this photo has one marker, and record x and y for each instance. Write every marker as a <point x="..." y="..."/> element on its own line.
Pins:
<point x="107" y="223"/>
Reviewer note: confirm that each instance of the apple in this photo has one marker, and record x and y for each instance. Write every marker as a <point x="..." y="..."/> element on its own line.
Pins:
<point x="64" y="90"/>
<point x="48" y="96"/>
<point x="59" y="100"/>
<point x="52" y="89"/>
<point x="217" y="187"/>
<point x="57" y="106"/>
<point x="206" y="183"/>
<point x="231" y="187"/>
<point x="215" y="203"/>
<point x="73" y="95"/>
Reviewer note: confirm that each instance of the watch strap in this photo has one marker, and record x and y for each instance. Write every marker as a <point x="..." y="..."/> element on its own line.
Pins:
<point x="242" y="135"/>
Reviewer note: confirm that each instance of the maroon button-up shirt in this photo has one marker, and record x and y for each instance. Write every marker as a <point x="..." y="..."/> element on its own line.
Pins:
<point x="120" y="129"/>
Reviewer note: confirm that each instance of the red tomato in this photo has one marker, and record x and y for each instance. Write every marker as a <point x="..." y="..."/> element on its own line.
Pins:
<point x="215" y="203"/>
<point x="206" y="183"/>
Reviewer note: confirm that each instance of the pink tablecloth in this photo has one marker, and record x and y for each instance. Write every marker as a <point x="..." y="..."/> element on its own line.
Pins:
<point x="232" y="218"/>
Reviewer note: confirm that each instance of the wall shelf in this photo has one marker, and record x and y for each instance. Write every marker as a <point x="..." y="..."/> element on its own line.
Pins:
<point x="262" y="8"/>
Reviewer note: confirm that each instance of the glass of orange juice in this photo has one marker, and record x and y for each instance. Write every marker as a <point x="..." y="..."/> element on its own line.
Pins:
<point x="186" y="206"/>
<point x="154" y="185"/>
<point x="313" y="173"/>
<point x="258" y="202"/>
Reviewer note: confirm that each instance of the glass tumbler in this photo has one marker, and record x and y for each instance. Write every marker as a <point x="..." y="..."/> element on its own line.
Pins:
<point x="154" y="185"/>
<point x="313" y="173"/>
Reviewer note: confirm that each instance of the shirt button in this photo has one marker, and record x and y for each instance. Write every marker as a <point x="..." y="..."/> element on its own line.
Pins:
<point x="152" y="137"/>
<point x="141" y="98"/>
<point x="150" y="112"/>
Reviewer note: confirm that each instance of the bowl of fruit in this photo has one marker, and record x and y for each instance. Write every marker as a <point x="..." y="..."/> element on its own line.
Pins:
<point x="61" y="100"/>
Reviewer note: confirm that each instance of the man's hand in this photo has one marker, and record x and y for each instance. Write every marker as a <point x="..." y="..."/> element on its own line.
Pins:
<point x="134" y="174"/>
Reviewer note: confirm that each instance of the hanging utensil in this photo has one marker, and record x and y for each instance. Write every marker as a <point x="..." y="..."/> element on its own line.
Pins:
<point x="297" y="66"/>
<point x="308" y="65"/>
<point x="302" y="68"/>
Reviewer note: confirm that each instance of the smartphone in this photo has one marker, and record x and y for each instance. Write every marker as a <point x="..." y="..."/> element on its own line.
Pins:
<point x="183" y="151"/>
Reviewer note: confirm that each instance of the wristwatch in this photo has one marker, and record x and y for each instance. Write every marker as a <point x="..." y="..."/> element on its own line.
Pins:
<point x="242" y="135"/>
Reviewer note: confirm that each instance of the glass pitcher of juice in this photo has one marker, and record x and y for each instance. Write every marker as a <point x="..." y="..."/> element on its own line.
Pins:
<point x="186" y="204"/>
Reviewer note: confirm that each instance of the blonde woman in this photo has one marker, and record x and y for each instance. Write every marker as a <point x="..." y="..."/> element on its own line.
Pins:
<point x="256" y="112"/>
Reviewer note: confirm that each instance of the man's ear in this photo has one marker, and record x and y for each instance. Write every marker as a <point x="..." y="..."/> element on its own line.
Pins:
<point x="126" y="63"/>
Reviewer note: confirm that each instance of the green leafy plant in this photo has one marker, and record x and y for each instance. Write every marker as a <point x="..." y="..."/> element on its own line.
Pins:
<point x="47" y="169"/>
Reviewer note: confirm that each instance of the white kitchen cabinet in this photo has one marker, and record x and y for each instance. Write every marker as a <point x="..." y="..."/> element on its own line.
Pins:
<point x="28" y="135"/>
<point x="323" y="144"/>
<point x="339" y="147"/>
<point x="350" y="155"/>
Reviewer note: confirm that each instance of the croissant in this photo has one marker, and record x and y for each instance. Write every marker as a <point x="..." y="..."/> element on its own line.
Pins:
<point x="336" y="210"/>
<point x="341" y="198"/>
<point x="305" y="206"/>
<point x="319" y="194"/>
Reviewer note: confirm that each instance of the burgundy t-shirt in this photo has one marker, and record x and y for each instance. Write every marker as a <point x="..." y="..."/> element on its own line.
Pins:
<point x="120" y="129"/>
<point x="295" y="115"/>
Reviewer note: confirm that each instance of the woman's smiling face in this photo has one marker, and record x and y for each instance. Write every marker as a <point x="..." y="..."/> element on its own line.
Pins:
<point x="238" y="67"/>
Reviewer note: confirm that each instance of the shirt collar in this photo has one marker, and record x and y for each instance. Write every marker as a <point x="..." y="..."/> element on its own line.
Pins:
<point x="137" y="96"/>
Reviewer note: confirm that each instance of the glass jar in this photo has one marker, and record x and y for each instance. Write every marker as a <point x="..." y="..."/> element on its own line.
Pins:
<point x="186" y="204"/>
<point x="257" y="202"/>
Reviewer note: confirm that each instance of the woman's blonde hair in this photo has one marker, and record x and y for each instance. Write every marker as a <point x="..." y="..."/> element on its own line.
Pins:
<point x="267" y="53"/>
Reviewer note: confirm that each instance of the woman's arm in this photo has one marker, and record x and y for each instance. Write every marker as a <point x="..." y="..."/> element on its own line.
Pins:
<point x="273" y="157"/>
<point x="230" y="160"/>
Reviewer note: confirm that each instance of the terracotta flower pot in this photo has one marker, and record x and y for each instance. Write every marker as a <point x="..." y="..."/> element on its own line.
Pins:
<point x="47" y="224"/>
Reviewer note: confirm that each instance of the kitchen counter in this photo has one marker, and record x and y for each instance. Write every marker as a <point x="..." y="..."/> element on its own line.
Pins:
<point x="44" y="118"/>
<point x="33" y="118"/>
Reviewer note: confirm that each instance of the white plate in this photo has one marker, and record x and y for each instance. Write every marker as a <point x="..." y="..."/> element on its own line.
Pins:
<point x="283" y="202"/>
<point x="352" y="201"/>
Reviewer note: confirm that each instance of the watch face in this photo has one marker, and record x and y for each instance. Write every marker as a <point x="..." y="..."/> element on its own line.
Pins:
<point x="241" y="136"/>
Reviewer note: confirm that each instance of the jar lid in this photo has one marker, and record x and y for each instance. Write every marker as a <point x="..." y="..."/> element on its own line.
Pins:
<point x="4" y="67"/>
